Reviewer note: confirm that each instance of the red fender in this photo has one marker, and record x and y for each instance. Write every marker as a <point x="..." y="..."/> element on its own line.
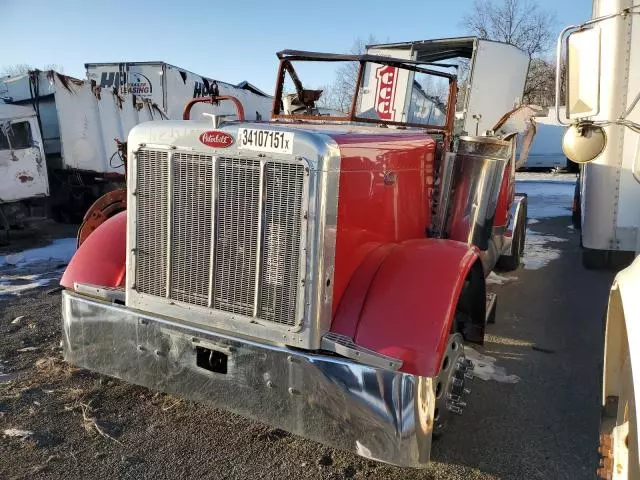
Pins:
<point x="408" y="308"/>
<point x="101" y="259"/>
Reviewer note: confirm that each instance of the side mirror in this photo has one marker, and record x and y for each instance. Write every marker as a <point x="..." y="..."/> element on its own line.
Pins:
<point x="583" y="73"/>
<point x="583" y="142"/>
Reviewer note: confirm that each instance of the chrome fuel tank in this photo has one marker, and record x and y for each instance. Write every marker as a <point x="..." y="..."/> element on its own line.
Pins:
<point x="477" y="173"/>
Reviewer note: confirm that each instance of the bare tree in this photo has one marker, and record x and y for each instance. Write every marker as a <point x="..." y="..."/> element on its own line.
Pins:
<point x="540" y="88"/>
<point x="22" y="68"/>
<point x="517" y="22"/>
<point x="523" y="24"/>
<point x="339" y="94"/>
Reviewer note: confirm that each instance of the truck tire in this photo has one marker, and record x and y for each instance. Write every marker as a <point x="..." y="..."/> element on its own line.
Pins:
<point x="449" y="387"/>
<point x="511" y="262"/>
<point x="613" y="260"/>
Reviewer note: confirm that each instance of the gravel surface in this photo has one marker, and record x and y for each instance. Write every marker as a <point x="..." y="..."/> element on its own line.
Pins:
<point x="80" y="425"/>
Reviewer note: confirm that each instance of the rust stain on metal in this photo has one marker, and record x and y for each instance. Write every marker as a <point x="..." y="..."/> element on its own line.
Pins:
<point x="104" y="208"/>
<point x="24" y="177"/>
<point x="605" y="469"/>
<point x="66" y="81"/>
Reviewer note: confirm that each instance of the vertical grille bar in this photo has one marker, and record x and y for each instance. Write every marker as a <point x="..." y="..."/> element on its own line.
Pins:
<point x="259" y="236"/>
<point x="169" y="223"/>
<point x="214" y="230"/>
<point x="152" y="221"/>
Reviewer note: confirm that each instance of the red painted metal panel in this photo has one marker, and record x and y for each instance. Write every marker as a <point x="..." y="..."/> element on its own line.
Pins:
<point x="505" y="199"/>
<point x="348" y="313"/>
<point x="411" y="302"/>
<point x="101" y="258"/>
<point x="386" y="183"/>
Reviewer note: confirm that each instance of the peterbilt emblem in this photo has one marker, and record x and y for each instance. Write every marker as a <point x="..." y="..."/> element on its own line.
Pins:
<point x="386" y="91"/>
<point x="216" y="139"/>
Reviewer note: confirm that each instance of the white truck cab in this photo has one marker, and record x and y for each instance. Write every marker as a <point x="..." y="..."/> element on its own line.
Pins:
<point x="23" y="171"/>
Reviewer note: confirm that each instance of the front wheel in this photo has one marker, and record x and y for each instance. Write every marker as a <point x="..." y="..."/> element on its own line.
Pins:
<point x="450" y="384"/>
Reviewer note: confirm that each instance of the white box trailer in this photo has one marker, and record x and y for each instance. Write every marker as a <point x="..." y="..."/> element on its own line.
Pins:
<point x="80" y="121"/>
<point x="79" y="125"/>
<point x="496" y="76"/>
<point x="603" y="74"/>
<point x="546" y="148"/>
<point x="170" y="88"/>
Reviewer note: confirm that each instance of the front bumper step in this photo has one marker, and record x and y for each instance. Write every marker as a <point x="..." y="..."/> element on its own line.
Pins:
<point x="378" y="413"/>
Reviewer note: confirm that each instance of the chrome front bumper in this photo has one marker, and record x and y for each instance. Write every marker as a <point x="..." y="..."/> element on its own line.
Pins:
<point x="380" y="414"/>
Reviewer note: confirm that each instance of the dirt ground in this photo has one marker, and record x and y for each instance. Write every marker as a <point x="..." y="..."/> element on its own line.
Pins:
<point x="86" y="426"/>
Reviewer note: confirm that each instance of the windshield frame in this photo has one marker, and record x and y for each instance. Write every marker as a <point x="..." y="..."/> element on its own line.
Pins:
<point x="288" y="56"/>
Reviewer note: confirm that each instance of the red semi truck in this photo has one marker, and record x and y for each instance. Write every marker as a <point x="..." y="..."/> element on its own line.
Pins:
<point x="320" y="273"/>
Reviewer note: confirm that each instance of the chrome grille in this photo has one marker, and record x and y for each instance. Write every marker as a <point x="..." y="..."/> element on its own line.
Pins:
<point x="227" y="231"/>
<point x="151" y="227"/>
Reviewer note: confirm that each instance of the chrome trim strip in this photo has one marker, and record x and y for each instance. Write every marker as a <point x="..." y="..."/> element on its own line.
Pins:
<point x="346" y="347"/>
<point x="378" y="413"/>
<point x="110" y="294"/>
<point x="519" y="200"/>
<point x="214" y="229"/>
<point x="169" y="222"/>
<point x="259" y="240"/>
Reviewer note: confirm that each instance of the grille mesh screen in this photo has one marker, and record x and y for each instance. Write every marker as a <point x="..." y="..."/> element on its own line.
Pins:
<point x="237" y="235"/>
<point x="191" y="228"/>
<point x="151" y="230"/>
<point x="220" y="197"/>
<point x="281" y="241"/>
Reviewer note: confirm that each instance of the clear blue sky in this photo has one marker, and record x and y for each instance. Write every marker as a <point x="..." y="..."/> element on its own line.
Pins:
<point x="231" y="40"/>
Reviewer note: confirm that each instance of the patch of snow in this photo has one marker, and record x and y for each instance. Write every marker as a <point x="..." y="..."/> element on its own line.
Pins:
<point x="537" y="251"/>
<point x="547" y="199"/>
<point x="495" y="279"/>
<point x="12" y="285"/>
<point x="60" y="250"/>
<point x="485" y="368"/>
<point x="15" y="432"/>
<point x="546" y="177"/>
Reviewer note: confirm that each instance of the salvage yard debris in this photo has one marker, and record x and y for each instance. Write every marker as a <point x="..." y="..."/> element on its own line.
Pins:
<point x="90" y="422"/>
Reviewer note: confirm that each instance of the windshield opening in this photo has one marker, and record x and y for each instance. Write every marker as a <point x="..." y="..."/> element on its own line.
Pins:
<point x="385" y="94"/>
<point x="15" y="136"/>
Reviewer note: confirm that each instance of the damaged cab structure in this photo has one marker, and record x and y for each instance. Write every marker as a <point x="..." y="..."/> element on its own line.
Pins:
<point x="319" y="272"/>
<point x="22" y="166"/>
